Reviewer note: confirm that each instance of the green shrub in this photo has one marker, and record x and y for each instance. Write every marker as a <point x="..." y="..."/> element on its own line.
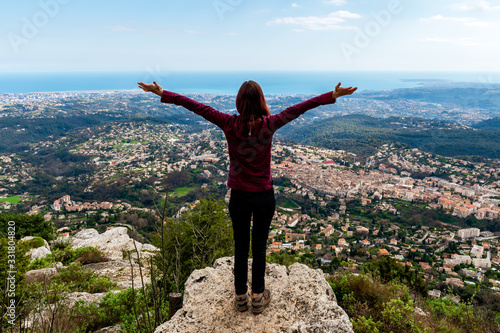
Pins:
<point x="282" y="258"/>
<point x="363" y="325"/>
<point x="388" y="269"/>
<point x="35" y="242"/>
<point x="89" y="255"/>
<point x="60" y="243"/>
<point x="21" y="264"/>
<point x="399" y="316"/>
<point x="75" y="278"/>
<point x="39" y="263"/>
<point x="65" y="255"/>
<point x="117" y="308"/>
<point x="7" y="272"/>
<point x="100" y="285"/>
<point x="374" y="306"/>
<point x="447" y="314"/>
<point x="363" y="295"/>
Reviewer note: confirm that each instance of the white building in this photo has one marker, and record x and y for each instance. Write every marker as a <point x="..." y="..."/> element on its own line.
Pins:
<point x="476" y="251"/>
<point x="468" y="233"/>
<point x="467" y="260"/>
<point x="482" y="263"/>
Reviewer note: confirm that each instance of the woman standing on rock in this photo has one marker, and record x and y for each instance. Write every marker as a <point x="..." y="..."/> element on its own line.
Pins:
<point x="249" y="138"/>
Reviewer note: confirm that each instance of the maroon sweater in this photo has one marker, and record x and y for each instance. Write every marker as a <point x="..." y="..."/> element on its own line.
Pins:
<point x="249" y="156"/>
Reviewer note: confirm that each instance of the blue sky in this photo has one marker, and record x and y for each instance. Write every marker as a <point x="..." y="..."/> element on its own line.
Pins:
<point x="110" y="35"/>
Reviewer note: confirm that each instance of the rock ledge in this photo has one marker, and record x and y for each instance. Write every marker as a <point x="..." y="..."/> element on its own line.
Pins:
<point x="112" y="242"/>
<point x="302" y="301"/>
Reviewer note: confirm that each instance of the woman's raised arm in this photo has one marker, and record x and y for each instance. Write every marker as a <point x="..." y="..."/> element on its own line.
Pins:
<point x="216" y="117"/>
<point x="284" y="117"/>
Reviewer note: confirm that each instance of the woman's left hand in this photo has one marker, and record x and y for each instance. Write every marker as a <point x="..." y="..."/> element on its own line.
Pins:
<point x="154" y="88"/>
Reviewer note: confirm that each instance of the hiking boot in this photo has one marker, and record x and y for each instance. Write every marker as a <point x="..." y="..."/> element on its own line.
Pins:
<point x="260" y="302"/>
<point x="241" y="302"/>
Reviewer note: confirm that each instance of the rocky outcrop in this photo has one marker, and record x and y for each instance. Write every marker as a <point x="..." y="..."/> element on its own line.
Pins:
<point x="38" y="252"/>
<point x="87" y="234"/>
<point x="71" y="298"/>
<point x="110" y="329"/>
<point x="44" y="274"/>
<point x="111" y="242"/>
<point x="302" y="301"/>
<point x="122" y="273"/>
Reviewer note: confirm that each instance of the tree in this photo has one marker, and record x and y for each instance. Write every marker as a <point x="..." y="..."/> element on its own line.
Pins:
<point x="389" y="269"/>
<point x="195" y="240"/>
<point x="28" y="225"/>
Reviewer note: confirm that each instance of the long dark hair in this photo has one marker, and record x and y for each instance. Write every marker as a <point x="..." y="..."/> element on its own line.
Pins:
<point x="251" y="105"/>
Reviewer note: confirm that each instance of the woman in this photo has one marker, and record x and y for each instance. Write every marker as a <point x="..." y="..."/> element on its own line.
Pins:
<point x="249" y="138"/>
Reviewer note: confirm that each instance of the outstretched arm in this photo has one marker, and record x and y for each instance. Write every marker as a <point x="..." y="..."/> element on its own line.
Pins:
<point x="214" y="116"/>
<point x="293" y="112"/>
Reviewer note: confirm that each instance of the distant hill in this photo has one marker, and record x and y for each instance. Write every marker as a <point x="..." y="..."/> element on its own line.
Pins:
<point x="362" y="134"/>
<point x="489" y="124"/>
<point x="461" y="94"/>
<point x="17" y="133"/>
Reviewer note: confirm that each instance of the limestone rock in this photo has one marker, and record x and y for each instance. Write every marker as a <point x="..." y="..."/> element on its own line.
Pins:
<point x="148" y="247"/>
<point x="420" y="312"/>
<point x="44" y="274"/>
<point x="302" y="301"/>
<point x="71" y="298"/>
<point x="142" y="255"/>
<point x="112" y="242"/>
<point x="119" y="271"/>
<point x="39" y="252"/>
<point x="86" y="234"/>
<point x="109" y="329"/>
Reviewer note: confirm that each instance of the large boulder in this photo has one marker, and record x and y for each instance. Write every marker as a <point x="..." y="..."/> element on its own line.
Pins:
<point x="112" y="242"/>
<point x="87" y="234"/>
<point x="43" y="274"/>
<point x="302" y="301"/>
<point x="37" y="251"/>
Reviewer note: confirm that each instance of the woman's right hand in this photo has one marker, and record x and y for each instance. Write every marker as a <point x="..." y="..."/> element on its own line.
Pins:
<point x="154" y="88"/>
<point x="342" y="91"/>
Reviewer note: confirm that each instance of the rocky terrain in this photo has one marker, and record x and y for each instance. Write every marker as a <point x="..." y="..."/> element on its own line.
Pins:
<point x="114" y="266"/>
<point x="302" y="301"/>
<point x="112" y="242"/>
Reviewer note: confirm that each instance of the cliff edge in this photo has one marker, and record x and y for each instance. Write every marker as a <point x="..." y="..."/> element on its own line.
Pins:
<point x="302" y="301"/>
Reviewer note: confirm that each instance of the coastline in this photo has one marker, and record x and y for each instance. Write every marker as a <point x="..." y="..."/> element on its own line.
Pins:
<point x="227" y="83"/>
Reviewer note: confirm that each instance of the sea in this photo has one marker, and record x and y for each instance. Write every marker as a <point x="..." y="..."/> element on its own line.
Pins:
<point x="228" y="83"/>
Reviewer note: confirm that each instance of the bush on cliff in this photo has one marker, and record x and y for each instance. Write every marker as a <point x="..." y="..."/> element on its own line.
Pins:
<point x="374" y="306"/>
<point x="202" y="234"/>
<point x="28" y="225"/>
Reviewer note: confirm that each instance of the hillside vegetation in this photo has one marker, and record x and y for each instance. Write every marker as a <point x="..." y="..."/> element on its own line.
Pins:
<point x="362" y="135"/>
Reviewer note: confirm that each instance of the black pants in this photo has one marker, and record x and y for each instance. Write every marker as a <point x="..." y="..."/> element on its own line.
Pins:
<point x="242" y="206"/>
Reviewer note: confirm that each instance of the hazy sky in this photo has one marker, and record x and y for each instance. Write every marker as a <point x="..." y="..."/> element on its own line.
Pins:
<point x="110" y="35"/>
